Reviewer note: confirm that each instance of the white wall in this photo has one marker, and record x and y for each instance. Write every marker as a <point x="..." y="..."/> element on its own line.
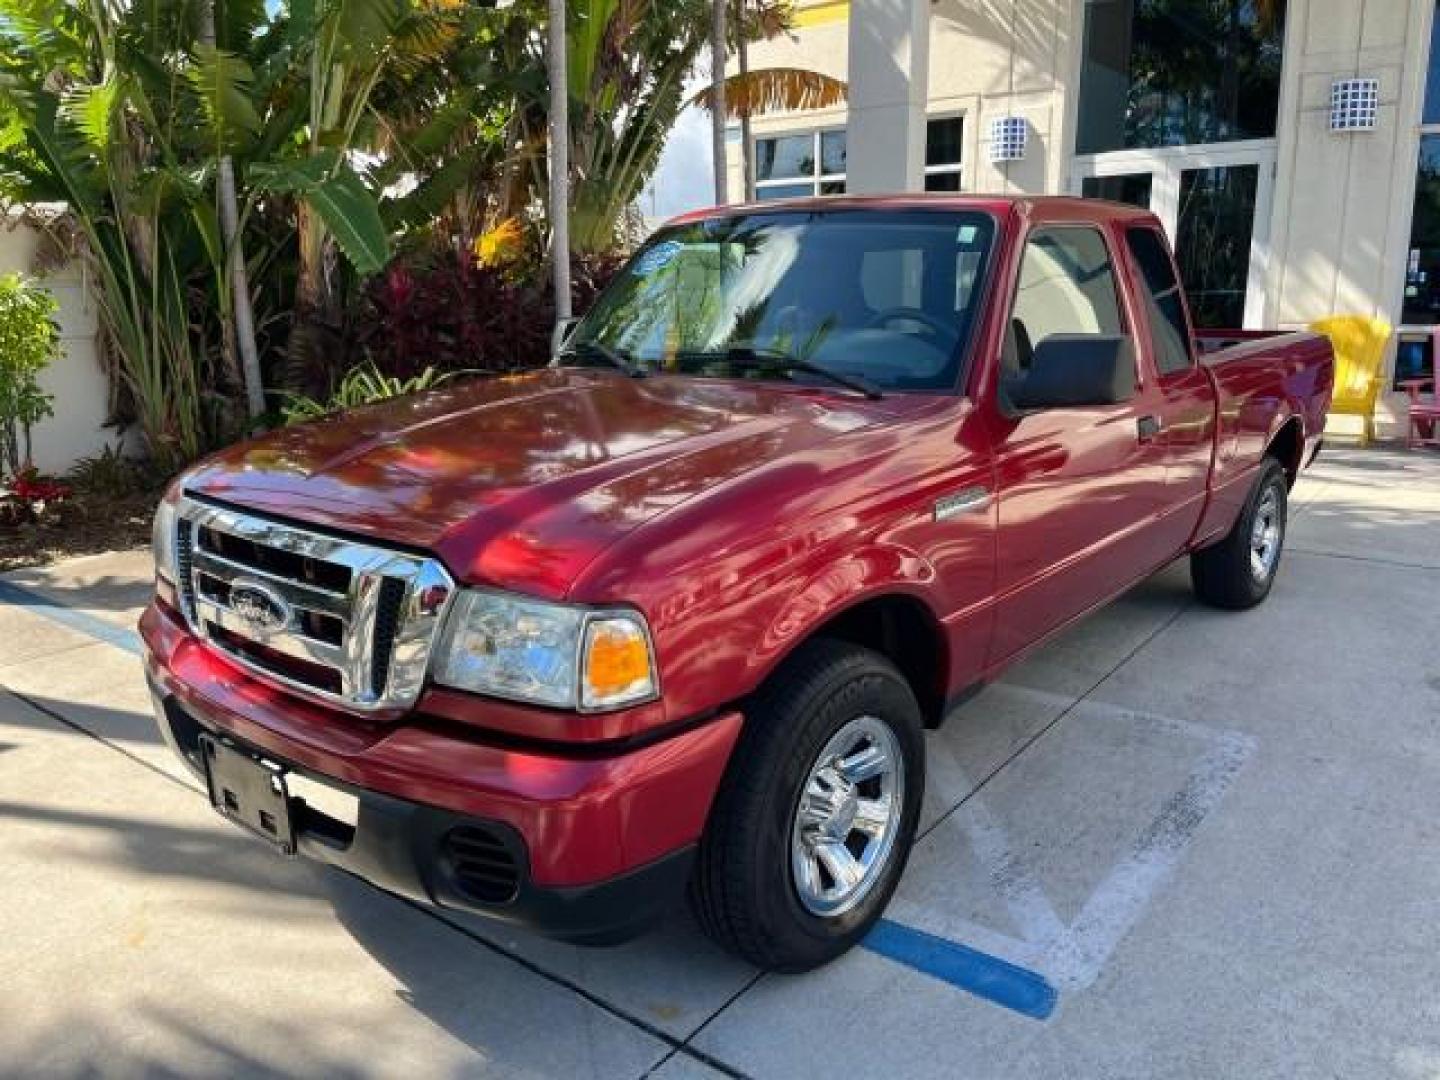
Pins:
<point x="79" y="386"/>
<point x="1005" y="58"/>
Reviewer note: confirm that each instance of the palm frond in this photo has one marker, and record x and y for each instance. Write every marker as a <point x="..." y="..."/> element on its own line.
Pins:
<point x="768" y="90"/>
<point x="223" y="82"/>
<point x="91" y="110"/>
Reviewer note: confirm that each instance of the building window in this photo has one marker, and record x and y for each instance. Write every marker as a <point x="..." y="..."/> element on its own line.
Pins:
<point x="793" y="166"/>
<point x="813" y="162"/>
<point x="944" y="150"/>
<point x="1421" y="306"/>
<point x="1431" y="114"/>
<point x="1422" y="267"/>
<point x="1179" y="72"/>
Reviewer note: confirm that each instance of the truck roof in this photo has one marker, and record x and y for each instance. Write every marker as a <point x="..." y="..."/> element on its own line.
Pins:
<point x="1050" y="207"/>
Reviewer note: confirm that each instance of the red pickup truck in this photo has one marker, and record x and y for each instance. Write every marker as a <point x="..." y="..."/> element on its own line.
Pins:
<point x="674" y="612"/>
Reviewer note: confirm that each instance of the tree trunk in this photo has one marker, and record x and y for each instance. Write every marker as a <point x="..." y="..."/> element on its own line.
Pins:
<point x="717" y="103"/>
<point x="236" y="272"/>
<point x="559" y="166"/>
<point x="310" y="292"/>
<point x="239" y="275"/>
<point x="747" y="149"/>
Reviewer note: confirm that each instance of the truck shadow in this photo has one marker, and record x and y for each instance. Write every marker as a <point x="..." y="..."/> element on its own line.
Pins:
<point x="135" y="845"/>
<point x="671" y="979"/>
<point x="124" y="726"/>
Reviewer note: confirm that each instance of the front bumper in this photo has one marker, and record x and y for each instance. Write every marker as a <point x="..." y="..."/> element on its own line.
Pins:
<point x="585" y="848"/>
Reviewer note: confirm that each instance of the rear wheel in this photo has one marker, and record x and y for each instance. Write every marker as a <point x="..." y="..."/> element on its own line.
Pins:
<point x="811" y="829"/>
<point x="1238" y="572"/>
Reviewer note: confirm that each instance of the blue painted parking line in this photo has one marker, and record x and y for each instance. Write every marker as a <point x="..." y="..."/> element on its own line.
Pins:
<point x="119" y="636"/>
<point x="983" y="975"/>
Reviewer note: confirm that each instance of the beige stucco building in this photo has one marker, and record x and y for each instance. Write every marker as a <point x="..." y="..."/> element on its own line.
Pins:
<point x="1280" y="142"/>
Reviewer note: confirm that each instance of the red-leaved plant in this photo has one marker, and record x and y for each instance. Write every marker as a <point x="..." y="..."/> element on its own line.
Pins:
<point x="452" y="314"/>
<point x="27" y="495"/>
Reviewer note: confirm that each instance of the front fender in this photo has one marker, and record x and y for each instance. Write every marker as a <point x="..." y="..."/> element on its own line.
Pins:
<point x="876" y="571"/>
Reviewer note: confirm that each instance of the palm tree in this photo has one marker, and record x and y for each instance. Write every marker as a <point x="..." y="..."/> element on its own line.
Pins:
<point x="239" y="331"/>
<point x="559" y="163"/>
<point x="748" y="94"/>
<point x="753" y="93"/>
<point x="717" y="96"/>
<point x="754" y="20"/>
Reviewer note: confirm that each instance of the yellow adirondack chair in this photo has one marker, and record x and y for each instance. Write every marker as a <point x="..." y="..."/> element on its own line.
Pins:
<point x="1359" y="355"/>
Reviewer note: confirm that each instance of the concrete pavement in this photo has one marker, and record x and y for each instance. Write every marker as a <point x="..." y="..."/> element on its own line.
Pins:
<point x="1213" y="835"/>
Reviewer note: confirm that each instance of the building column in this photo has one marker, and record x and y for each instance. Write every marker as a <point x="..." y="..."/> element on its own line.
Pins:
<point x="889" y="73"/>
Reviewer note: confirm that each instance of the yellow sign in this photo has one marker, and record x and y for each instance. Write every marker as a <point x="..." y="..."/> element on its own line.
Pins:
<point x="821" y="12"/>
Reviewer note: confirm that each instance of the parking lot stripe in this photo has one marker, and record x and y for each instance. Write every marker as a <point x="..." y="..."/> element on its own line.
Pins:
<point x="1118" y="902"/>
<point x="83" y="622"/>
<point x="983" y="975"/>
<point x="1013" y="883"/>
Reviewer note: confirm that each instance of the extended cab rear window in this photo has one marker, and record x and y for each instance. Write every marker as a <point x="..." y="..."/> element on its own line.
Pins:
<point x="1169" y="328"/>
<point x="888" y="296"/>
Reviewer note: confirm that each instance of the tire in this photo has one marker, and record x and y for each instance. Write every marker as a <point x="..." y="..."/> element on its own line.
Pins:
<point x="760" y="842"/>
<point x="1237" y="572"/>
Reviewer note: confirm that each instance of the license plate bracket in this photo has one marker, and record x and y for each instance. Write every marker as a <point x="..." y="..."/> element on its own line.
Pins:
<point x="249" y="792"/>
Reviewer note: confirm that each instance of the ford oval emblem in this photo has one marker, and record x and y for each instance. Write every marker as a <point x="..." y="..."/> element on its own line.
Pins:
<point x="263" y="611"/>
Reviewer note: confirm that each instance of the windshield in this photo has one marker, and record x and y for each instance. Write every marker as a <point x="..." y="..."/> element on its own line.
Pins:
<point x="883" y="298"/>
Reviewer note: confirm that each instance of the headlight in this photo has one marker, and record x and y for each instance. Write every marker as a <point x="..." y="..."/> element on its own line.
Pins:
<point x="548" y="654"/>
<point x="162" y="541"/>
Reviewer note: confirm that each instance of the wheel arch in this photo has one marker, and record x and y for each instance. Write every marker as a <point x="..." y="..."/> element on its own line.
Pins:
<point x="903" y="629"/>
<point x="1287" y="445"/>
<point x="879" y="602"/>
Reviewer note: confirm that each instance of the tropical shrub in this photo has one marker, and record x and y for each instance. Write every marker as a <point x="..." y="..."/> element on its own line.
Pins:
<point x="361" y="385"/>
<point x="29" y="341"/>
<point x="109" y="474"/>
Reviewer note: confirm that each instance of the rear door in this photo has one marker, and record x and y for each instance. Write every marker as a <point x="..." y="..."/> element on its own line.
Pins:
<point x="1078" y="489"/>
<point x="1184" y="407"/>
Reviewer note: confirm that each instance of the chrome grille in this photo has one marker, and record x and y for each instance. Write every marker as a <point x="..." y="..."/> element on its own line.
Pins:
<point x="341" y="621"/>
<point x="184" y="546"/>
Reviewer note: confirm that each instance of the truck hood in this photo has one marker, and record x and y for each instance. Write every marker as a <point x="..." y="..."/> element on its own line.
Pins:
<point x="519" y="482"/>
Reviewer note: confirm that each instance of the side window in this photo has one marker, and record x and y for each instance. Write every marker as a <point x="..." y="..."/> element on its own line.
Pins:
<point x="1067" y="286"/>
<point x="1163" y="302"/>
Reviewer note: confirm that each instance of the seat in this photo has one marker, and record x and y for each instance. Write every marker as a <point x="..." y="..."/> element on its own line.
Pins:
<point x="1359" y="357"/>
<point x="1423" y="425"/>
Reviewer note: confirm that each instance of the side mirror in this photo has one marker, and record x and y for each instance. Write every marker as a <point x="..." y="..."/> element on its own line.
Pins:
<point x="1076" y="371"/>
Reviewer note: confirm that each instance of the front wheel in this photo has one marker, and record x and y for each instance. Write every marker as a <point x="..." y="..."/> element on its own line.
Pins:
<point x="1237" y="572"/>
<point x="813" y="824"/>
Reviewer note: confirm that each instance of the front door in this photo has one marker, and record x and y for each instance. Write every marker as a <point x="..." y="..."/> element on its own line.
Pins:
<point x="1214" y="202"/>
<point x="1078" y="488"/>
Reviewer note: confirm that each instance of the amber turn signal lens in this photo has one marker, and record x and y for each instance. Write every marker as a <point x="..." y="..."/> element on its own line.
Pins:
<point x="617" y="663"/>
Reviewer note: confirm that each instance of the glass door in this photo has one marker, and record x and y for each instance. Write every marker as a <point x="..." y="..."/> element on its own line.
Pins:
<point x="1214" y="236"/>
<point x="1214" y="202"/>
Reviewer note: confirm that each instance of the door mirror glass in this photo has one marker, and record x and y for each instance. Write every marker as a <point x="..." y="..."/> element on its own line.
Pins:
<point x="1076" y="371"/>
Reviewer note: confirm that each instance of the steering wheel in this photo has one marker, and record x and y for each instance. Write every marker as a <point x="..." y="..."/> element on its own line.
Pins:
<point x="938" y="327"/>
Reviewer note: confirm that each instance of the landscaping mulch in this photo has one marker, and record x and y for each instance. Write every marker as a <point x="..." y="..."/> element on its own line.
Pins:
<point x="85" y="523"/>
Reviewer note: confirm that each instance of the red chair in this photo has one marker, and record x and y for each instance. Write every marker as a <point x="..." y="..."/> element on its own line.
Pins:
<point x="1424" y="427"/>
<point x="1424" y="415"/>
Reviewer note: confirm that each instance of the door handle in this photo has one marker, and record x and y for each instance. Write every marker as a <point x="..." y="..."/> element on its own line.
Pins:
<point x="1148" y="427"/>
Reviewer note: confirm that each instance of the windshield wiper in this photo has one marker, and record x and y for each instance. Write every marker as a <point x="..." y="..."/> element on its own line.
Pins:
<point x="750" y="356"/>
<point x="614" y="357"/>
